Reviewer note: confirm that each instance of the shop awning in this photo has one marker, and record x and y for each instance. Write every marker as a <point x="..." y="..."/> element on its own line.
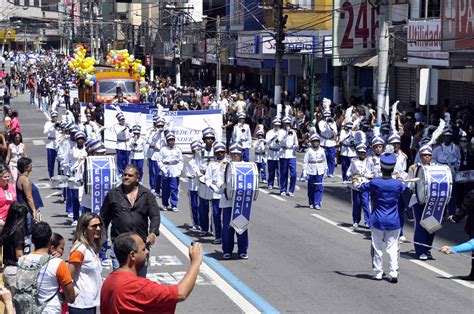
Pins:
<point x="367" y="61"/>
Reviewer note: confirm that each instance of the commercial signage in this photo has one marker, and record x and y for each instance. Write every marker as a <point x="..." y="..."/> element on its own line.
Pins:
<point x="425" y="43"/>
<point x="355" y="28"/>
<point x="247" y="44"/>
<point x="300" y="43"/>
<point x="7" y="34"/>
<point x="457" y="18"/>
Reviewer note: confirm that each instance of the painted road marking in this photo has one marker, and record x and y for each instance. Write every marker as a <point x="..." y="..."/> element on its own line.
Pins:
<point x="38" y="142"/>
<point x="235" y="289"/>
<point x="278" y="198"/>
<point x="233" y="294"/>
<point x="442" y="273"/>
<point x="54" y="194"/>
<point x="263" y="191"/>
<point x="43" y="185"/>
<point x="164" y="260"/>
<point x="174" y="278"/>
<point x="417" y="262"/>
<point x="329" y="221"/>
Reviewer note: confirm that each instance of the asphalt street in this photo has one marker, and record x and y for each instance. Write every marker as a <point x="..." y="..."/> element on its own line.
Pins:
<point x="300" y="259"/>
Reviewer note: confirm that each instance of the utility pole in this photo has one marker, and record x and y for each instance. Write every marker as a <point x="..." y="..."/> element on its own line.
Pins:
<point x="218" y="70"/>
<point x="91" y="26"/>
<point x="383" y="44"/>
<point x="178" y="52"/>
<point x="313" y="92"/>
<point x="280" y="49"/>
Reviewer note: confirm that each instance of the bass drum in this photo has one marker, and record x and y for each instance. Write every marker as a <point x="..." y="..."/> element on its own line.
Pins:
<point x="230" y="176"/>
<point x="423" y="185"/>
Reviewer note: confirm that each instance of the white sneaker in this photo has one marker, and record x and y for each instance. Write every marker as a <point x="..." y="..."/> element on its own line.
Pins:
<point x="264" y="181"/>
<point x="311" y="206"/>
<point x="402" y="239"/>
<point x="270" y="187"/>
<point x="355" y="225"/>
<point x="283" y="193"/>
<point x="106" y="263"/>
<point x="290" y="194"/>
<point x="317" y="207"/>
<point x="174" y="209"/>
<point x="377" y="277"/>
<point x="74" y="223"/>
<point x="423" y="257"/>
<point x="70" y="215"/>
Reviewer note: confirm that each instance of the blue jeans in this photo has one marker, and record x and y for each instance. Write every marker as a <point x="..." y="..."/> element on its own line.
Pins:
<point x="345" y="164"/>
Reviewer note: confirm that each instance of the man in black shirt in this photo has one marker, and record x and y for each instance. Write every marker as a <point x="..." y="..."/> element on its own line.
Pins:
<point x="128" y="207"/>
<point x="230" y="119"/>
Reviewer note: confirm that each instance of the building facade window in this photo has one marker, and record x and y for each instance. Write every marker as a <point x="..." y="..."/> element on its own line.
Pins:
<point x="430" y="8"/>
<point x="303" y="4"/>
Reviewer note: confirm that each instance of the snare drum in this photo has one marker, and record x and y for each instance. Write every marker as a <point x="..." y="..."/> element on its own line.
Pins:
<point x="426" y="175"/>
<point x="59" y="181"/>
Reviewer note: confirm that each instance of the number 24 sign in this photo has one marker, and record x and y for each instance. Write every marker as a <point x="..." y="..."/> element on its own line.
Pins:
<point x="357" y="26"/>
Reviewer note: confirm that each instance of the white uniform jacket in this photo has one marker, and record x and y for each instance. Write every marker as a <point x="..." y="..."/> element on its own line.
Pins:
<point x="260" y="150"/>
<point x="273" y="144"/>
<point x="50" y="132"/>
<point x="170" y="161"/>
<point x="242" y="135"/>
<point x="346" y="139"/>
<point x="76" y="160"/>
<point x="137" y="145"/>
<point x="359" y="168"/>
<point x="289" y="144"/>
<point x="123" y="136"/>
<point x="193" y="173"/>
<point x="449" y="155"/>
<point x="214" y="177"/>
<point x="314" y="162"/>
<point x="328" y="133"/>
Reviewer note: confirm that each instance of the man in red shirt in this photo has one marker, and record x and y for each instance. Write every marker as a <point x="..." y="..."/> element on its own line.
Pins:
<point x="124" y="292"/>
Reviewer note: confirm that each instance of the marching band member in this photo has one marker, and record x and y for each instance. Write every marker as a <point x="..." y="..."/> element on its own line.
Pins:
<point x="170" y="162"/>
<point x="400" y="171"/>
<point x="157" y="141"/>
<point x="385" y="226"/>
<point x="315" y="166"/>
<point x="260" y="155"/>
<point x="91" y="128"/>
<point x="449" y="154"/>
<point x="289" y="144"/>
<point x="359" y="171"/>
<point x="346" y="140"/>
<point x="122" y="130"/>
<point x="67" y="147"/>
<point x="150" y="149"/>
<point x="328" y="132"/>
<point x="377" y="149"/>
<point x="272" y="140"/>
<point x="137" y="154"/>
<point x="421" y="235"/>
<point x="205" y="194"/>
<point x="228" y="231"/>
<point x="242" y="135"/>
<point x="52" y="145"/>
<point x="193" y="173"/>
<point x="215" y="173"/>
<point x="76" y="159"/>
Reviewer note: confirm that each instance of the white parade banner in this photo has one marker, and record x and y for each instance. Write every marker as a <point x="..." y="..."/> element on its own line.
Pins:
<point x="187" y="125"/>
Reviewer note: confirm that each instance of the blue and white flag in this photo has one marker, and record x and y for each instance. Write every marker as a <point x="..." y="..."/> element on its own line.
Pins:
<point x="439" y="193"/>
<point x="245" y="185"/>
<point x="101" y="179"/>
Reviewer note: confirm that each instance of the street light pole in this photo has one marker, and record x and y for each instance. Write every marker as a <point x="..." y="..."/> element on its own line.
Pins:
<point x="218" y="69"/>
<point x="178" y="53"/>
